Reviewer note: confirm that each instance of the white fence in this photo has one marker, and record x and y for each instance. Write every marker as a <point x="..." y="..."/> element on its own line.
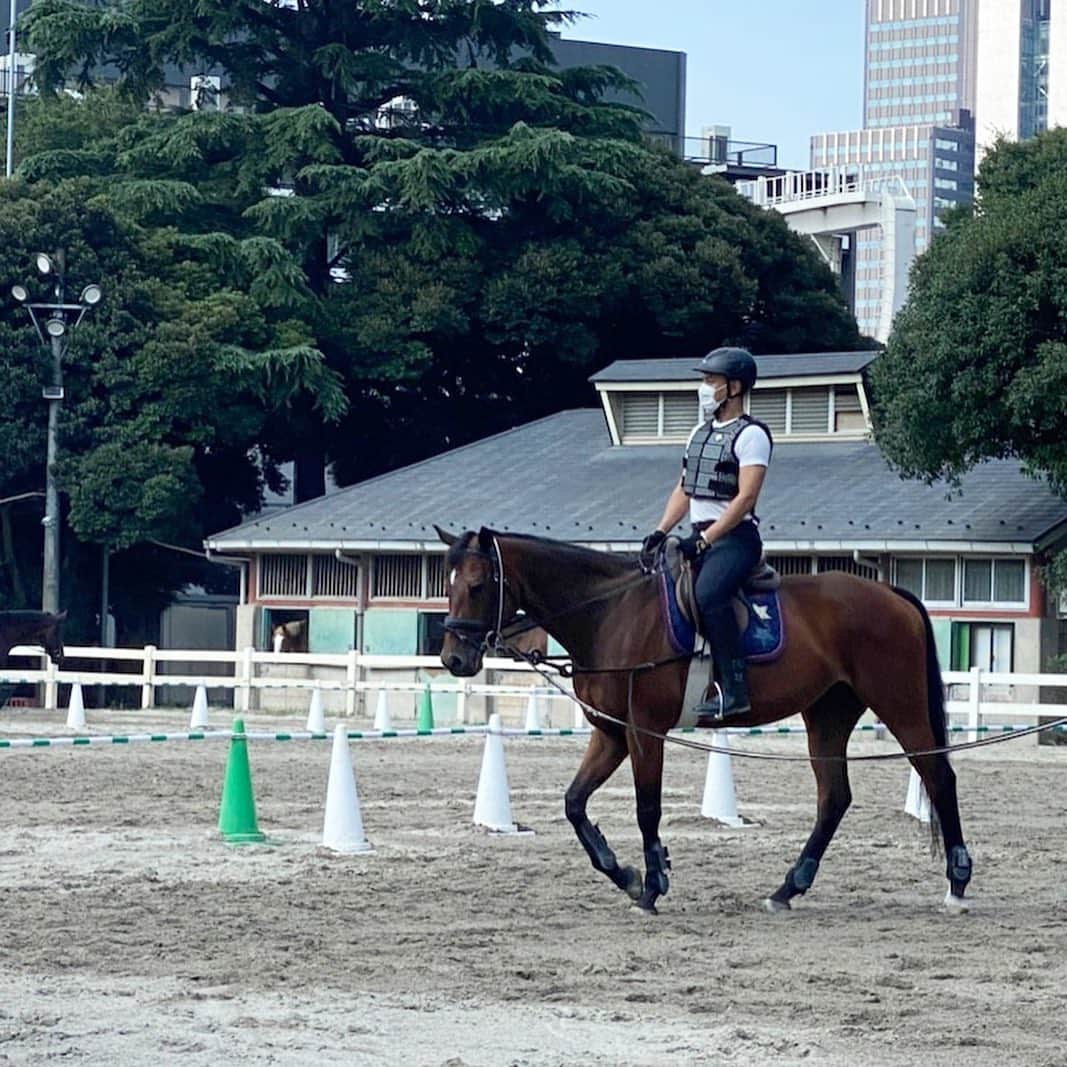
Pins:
<point x="975" y="698"/>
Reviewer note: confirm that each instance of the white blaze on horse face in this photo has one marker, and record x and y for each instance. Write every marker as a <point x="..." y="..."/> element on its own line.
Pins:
<point x="452" y="577"/>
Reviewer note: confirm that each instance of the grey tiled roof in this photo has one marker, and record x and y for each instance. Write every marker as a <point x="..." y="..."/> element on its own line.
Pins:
<point x="561" y="477"/>
<point x="682" y="370"/>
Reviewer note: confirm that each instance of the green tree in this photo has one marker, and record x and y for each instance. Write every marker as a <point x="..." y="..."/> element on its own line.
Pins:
<point x="169" y="384"/>
<point x="467" y="233"/>
<point x="976" y="367"/>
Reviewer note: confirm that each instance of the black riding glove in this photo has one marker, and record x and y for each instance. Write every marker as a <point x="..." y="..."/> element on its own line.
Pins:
<point x="691" y="546"/>
<point x="649" y="545"/>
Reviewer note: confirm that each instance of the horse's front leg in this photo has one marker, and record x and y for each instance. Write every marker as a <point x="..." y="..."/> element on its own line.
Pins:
<point x="602" y="757"/>
<point x="646" y="757"/>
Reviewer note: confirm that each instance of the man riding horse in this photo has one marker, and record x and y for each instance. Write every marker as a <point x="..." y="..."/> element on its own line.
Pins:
<point x="725" y="462"/>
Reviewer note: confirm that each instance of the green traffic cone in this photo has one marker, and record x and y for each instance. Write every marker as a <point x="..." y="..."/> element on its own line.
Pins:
<point x="237" y="812"/>
<point x="425" y="710"/>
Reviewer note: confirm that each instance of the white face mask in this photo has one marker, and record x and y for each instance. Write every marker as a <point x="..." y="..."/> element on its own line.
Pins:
<point x="709" y="404"/>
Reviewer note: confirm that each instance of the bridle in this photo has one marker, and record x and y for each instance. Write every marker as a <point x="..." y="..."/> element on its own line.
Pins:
<point x="476" y="632"/>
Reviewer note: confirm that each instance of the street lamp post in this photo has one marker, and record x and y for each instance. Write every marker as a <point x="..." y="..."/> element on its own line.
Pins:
<point x="54" y="322"/>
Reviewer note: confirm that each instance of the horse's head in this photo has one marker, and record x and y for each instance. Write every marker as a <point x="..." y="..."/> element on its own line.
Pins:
<point x="51" y="640"/>
<point x="475" y="606"/>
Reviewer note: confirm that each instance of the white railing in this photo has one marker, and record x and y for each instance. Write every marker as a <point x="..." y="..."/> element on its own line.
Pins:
<point x="976" y="698"/>
<point x="252" y="672"/>
<point x="797" y="186"/>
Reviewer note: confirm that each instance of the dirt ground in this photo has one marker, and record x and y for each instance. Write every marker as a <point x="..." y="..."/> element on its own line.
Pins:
<point x="132" y="935"/>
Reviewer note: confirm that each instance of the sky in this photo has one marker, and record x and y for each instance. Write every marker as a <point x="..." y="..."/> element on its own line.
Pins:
<point x="775" y="71"/>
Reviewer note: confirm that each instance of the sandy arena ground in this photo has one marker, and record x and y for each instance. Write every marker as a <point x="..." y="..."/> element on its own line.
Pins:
<point x="132" y="935"/>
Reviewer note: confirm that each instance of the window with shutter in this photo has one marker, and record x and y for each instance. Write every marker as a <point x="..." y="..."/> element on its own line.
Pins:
<point x="768" y="405"/>
<point x="810" y="410"/>
<point x="681" y="412"/>
<point x="640" y="415"/>
<point x="848" y="412"/>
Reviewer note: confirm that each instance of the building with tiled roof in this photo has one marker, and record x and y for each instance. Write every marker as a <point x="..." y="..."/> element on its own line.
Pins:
<point x="363" y="567"/>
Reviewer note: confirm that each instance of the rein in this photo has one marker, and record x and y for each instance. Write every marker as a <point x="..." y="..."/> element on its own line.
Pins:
<point x="469" y="630"/>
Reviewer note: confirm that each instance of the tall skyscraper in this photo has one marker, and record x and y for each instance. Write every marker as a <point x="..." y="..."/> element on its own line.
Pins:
<point x="920" y="62"/>
<point x="1022" y="69"/>
<point x="920" y="83"/>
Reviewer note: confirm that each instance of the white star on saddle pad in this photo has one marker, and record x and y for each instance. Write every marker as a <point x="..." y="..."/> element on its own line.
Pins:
<point x="762" y="612"/>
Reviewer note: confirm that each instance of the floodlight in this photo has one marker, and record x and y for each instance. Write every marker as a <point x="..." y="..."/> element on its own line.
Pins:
<point x="92" y="295"/>
<point x="20" y="293"/>
<point x="44" y="263"/>
<point x="55" y="327"/>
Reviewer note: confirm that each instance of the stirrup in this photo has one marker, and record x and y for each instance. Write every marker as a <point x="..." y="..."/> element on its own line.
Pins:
<point x="712" y="710"/>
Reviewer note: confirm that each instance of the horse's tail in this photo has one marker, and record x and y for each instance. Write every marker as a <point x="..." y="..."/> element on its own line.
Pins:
<point x="935" y="686"/>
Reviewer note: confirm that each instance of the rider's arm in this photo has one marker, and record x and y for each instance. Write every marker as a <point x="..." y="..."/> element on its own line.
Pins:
<point x="676" y="508"/>
<point x="750" y="481"/>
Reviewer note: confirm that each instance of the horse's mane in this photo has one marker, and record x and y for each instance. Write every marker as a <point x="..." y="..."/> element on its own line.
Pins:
<point x="593" y="561"/>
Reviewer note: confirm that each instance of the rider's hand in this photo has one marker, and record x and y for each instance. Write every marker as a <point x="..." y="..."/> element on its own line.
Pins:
<point x="647" y="556"/>
<point x="691" y="546"/>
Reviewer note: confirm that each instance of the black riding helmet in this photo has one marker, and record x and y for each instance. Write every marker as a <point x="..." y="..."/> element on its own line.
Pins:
<point x="734" y="364"/>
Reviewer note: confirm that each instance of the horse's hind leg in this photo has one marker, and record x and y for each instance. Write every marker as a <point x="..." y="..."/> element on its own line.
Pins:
<point x="829" y="722"/>
<point x="940" y="781"/>
<point x="603" y="755"/>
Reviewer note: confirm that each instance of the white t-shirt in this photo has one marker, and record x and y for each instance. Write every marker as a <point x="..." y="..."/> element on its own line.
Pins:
<point x="752" y="448"/>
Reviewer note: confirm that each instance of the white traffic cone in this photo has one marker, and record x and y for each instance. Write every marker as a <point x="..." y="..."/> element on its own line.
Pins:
<point x="917" y="804"/>
<point x="76" y="709"/>
<point x="720" y="801"/>
<point x="492" y="805"/>
<point x="533" y="717"/>
<point x="342" y="826"/>
<point x="316" y="723"/>
<point x="199" y="720"/>
<point x="382" y="719"/>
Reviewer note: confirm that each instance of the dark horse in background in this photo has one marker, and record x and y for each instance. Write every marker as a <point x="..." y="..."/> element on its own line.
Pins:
<point x="31" y="628"/>
<point x="852" y="644"/>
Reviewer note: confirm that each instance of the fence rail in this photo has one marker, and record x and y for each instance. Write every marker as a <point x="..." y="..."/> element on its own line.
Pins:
<point x="974" y="696"/>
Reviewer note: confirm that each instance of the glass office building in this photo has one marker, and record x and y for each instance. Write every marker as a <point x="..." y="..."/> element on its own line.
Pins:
<point x="919" y="88"/>
<point x="920" y="62"/>
<point x="1022" y="69"/>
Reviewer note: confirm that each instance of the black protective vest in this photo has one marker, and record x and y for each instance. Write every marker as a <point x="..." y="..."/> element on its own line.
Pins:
<point x="710" y="467"/>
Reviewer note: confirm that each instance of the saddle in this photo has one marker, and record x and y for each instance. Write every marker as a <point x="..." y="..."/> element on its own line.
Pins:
<point x="763" y="579"/>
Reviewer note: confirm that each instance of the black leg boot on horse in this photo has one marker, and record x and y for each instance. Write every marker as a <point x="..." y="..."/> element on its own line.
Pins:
<point x="730" y="699"/>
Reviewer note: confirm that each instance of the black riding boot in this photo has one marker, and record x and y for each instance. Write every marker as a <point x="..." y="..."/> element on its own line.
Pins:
<point x="720" y="627"/>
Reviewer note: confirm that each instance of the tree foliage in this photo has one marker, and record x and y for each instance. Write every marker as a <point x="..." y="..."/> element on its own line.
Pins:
<point x="468" y="231"/>
<point x="976" y="367"/>
<point x="977" y="364"/>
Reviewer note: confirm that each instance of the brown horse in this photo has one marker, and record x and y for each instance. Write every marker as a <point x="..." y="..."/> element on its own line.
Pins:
<point x="852" y="644"/>
<point x="31" y="628"/>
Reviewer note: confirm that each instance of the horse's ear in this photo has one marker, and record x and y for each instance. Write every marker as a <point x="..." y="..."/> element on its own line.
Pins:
<point x="60" y="617"/>
<point x="485" y="540"/>
<point x="449" y="538"/>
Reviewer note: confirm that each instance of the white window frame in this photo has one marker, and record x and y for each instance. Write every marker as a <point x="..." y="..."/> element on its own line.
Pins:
<point x="998" y="605"/>
<point x="958" y="600"/>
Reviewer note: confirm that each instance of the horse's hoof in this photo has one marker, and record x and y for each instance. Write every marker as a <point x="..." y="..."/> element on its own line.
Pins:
<point x="956" y="905"/>
<point x="776" y="907"/>
<point x="644" y="909"/>
<point x="634" y="883"/>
